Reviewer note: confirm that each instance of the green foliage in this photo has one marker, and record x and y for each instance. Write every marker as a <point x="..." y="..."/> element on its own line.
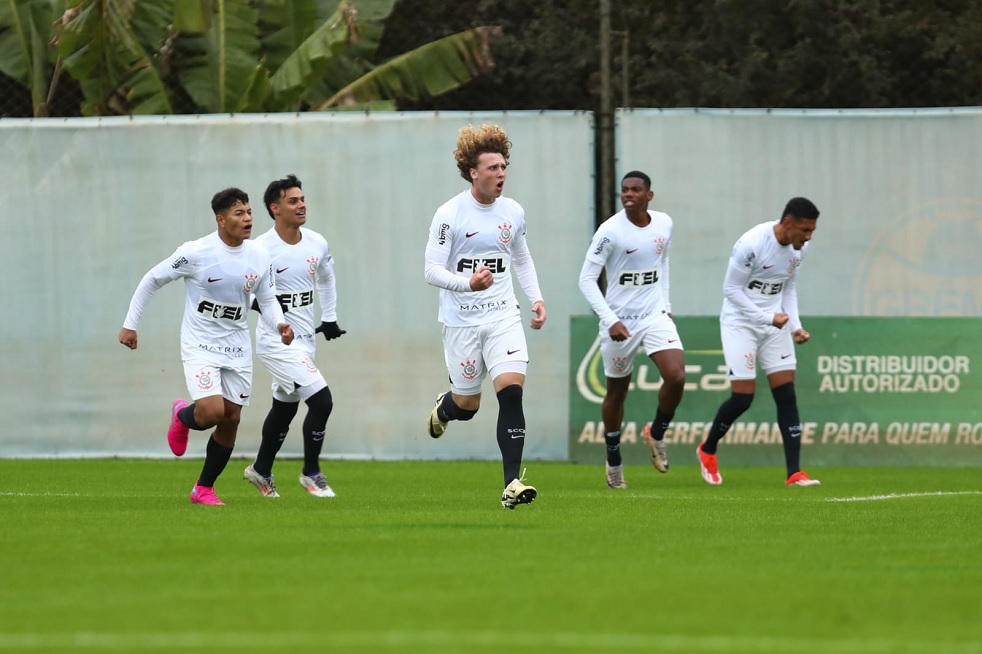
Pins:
<point x="713" y="53"/>
<point x="216" y="66"/>
<point x="428" y="71"/>
<point x="24" y="53"/>
<point x="545" y="58"/>
<point x="104" y="45"/>
<point x="307" y="62"/>
<point x="217" y="56"/>
<point x="283" y="27"/>
<point x="296" y="54"/>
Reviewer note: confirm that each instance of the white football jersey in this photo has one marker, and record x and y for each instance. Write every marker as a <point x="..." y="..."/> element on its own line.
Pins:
<point x="220" y="282"/>
<point x="636" y="260"/>
<point x="467" y="235"/>
<point x="302" y="271"/>
<point x="766" y="272"/>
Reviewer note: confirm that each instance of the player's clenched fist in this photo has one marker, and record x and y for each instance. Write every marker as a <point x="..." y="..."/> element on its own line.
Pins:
<point x="128" y="338"/>
<point x="286" y="332"/>
<point x="482" y="279"/>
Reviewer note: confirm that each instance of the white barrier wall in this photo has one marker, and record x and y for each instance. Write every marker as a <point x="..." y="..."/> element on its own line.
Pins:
<point x="91" y="205"/>
<point x="900" y="195"/>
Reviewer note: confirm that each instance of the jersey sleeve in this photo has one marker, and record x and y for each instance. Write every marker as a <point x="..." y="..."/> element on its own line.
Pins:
<point x="437" y="254"/>
<point x="789" y="302"/>
<point x="326" y="289"/>
<point x="600" y="247"/>
<point x="737" y="276"/>
<point x="521" y="260"/>
<point x="589" y="275"/>
<point x="789" y="298"/>
<point x="265" y="292"/>
<point x="666" y="277"/>
<point x="178" y="265"/>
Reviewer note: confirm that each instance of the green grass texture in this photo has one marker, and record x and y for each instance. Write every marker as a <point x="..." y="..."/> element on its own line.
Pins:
<point x="109" y="555"/>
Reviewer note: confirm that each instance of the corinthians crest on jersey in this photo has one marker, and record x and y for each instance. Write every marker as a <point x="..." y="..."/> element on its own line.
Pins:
<point x="505" y="234"/>
<point x="250" y="282"/>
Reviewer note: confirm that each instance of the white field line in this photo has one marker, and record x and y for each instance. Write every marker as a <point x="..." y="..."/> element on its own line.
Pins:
<point x="9" y="494"/>
<point x="900" y="496"/>
<point x="793" y="496"/>
<point x="464" y="640"/>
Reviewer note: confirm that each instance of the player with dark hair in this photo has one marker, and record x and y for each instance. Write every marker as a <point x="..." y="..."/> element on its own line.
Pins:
<point x="303" y="268"/>
<point x="475" y="241"/>
<point x="632" y="245"/>
<point x="223" y="272"/>
<point x="759" y="326"/>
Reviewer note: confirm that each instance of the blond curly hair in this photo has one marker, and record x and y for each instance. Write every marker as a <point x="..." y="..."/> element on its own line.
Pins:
<point x="473" y="142"/>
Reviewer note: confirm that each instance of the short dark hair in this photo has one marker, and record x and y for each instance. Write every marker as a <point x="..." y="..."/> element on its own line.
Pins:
<point x="800" y="208"/>
<point x="276" y="189"/>
<point x="227" y="198"/>
<point x="637" y="173"/>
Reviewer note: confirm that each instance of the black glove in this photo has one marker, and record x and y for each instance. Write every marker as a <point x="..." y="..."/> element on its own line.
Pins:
<point x="255" y="306"/>
<point x="330" y="330"/>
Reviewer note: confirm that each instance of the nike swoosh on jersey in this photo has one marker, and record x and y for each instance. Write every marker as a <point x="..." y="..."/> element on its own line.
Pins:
<point x="632" y="251"/>
<point x="785" y="356"/>
<point x="279" y="270"/>
<point x="469" y="234"/>
<point x="766" y="267"/>
<point x="514" y="351"/>
<point x="212" y="280"/>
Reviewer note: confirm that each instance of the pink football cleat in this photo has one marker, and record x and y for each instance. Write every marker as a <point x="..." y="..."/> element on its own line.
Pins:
<point x="177" y="435"/>
<point x="205" y="495"/>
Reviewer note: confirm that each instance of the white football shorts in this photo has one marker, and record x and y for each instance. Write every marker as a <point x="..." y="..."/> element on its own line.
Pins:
<point x="295" y="374"/>
<point x="618" y="356"/>
<point x="747" y="348"/>
<point x="472" y="351"/>
<point x="204" y="379"/>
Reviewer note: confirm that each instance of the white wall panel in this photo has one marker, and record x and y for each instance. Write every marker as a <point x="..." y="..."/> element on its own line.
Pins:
<point x="900" y="195"/>
<point x="94" y="203"/>
<point x="91" y="204"/>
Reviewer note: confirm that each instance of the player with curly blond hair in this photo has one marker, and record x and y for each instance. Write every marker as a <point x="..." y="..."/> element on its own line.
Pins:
<point x="475" y="240"/>
<point x="473" y="142"/>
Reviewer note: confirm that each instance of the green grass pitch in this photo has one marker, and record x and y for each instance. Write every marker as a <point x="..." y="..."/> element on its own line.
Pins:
<point x="109" y="555"/>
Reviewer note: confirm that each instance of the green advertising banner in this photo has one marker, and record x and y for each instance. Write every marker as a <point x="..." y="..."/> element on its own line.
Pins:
<point x="871" y="391"/>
